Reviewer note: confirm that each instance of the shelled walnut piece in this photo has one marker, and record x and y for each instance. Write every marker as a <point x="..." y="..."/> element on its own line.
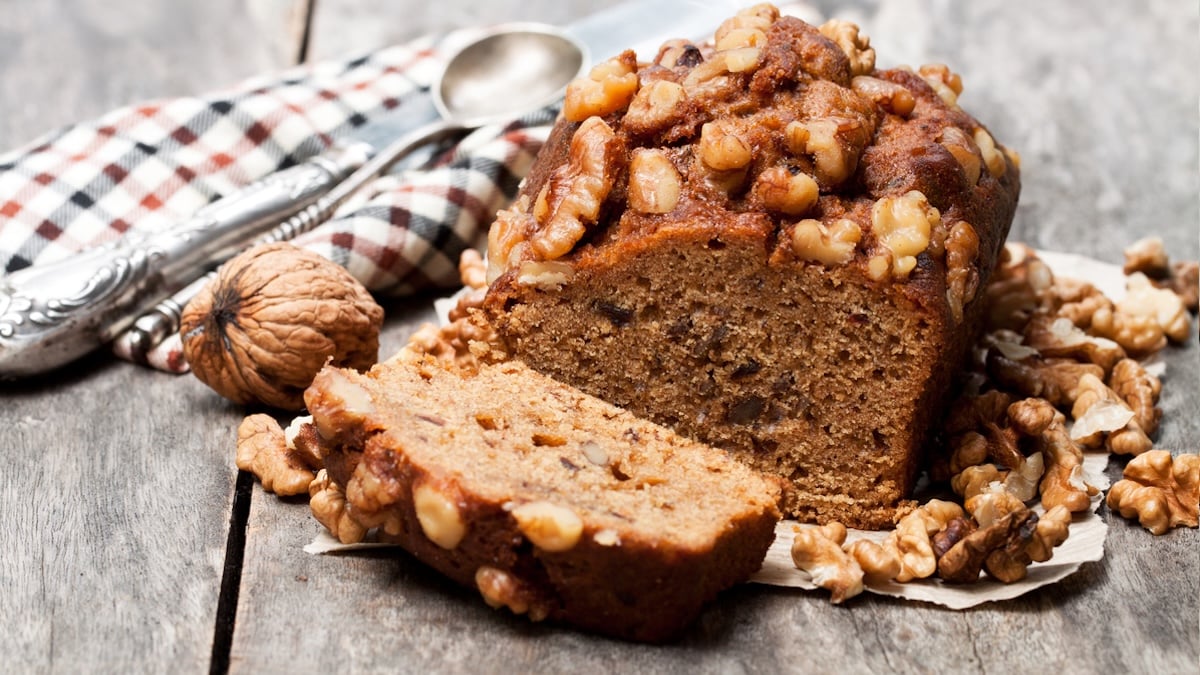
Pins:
<point x="1160" y="490"/>
<point x="1148" y="256"/>
<point x="817" y="551"/>
<point x="327" y="501"/>
<point x="263" y="450"/>
<point x="1102" y="417"/>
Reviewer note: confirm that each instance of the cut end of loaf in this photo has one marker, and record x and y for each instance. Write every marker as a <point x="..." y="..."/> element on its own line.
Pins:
<point x="811" y="374"/>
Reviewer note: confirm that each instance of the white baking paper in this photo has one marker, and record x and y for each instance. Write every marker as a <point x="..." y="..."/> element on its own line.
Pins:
<point x="326" y="543"/>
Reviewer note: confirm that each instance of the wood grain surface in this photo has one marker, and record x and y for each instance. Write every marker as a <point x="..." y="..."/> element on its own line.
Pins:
<point x="118" y="484"/>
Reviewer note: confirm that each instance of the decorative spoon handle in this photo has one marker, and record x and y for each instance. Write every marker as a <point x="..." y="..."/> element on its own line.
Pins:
<point x="53" y="314"/>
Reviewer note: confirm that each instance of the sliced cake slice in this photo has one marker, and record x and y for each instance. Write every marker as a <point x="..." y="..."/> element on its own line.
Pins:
<point x="550" y="502"/>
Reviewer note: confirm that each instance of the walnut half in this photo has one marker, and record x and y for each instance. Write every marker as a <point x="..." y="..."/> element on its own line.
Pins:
<point x="817" y="551"/>
<point x="1162" y="491"/>
<point x="262" y="449"/>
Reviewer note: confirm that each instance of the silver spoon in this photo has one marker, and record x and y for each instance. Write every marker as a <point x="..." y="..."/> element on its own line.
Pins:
<point x="53" y="314"/>
<point x="511" y="70"/>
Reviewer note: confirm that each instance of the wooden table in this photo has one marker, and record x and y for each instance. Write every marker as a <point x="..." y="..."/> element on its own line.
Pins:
<point x="130" y="543"/>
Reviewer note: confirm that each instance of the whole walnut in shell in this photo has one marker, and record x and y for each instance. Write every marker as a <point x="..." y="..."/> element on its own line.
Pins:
<point x="271" y="319"/>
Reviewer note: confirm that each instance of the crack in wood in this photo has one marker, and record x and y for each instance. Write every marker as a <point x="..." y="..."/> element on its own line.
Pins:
<point x="306" y="34"/>
<point x="231" y="575"/>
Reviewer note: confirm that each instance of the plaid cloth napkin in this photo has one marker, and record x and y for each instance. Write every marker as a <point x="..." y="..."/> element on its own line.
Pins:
<point x="145" y="167"/>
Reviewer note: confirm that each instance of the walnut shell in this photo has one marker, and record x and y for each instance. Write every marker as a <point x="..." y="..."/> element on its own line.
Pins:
<point x="274" y="315"/>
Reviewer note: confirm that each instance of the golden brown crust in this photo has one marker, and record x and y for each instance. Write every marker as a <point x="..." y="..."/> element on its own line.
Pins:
<point x="816" y="337"/>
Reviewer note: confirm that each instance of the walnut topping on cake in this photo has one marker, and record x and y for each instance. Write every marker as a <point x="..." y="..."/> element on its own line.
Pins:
<point x="773" y="116"/>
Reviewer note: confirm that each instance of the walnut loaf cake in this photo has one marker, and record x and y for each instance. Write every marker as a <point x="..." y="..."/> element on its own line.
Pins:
<point x="548" y="501"/>
<point x="766" y="244"/>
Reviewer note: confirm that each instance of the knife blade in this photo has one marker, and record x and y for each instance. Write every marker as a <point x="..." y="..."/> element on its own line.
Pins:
<point x="48" y="320"/>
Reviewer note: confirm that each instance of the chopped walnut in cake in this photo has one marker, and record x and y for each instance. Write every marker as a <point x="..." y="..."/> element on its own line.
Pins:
<point x="608" y="88"/>
<point x="852" y="41"/>
<point x="903" y="227"/>
<point x="438" y="514"/>
<point x="654" y="182"/>
<point x="832" y="244"/>
<point x="504" y="589"/>
<point x="327" y="501"/>
<point x="890" y="96"/>
<point x="944" y="81"/>
<point x="962" y="271"/>
<point x="773" y="116"/>
<point x="786" y="192"/>
<point x="657" y="106"/>
<point x="572" y="198"/>
<point x="964" y="149"/>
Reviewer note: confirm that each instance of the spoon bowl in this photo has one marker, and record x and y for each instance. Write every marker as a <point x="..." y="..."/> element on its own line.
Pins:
<point x="511" y="70"/>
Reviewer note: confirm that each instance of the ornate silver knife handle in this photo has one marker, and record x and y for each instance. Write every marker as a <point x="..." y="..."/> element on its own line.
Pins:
<point x="53" y="314"/>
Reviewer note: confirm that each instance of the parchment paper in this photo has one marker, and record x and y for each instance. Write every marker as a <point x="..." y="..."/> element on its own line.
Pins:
<point x="1085" y="544"/>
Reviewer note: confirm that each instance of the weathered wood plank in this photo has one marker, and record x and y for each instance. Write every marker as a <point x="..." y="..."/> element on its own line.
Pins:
<point x="117" y="481"/>
<point x="1102" y="104"/>
<point x="116" y="507"/>
<point x="69" y="60"/>
<point x="346" y="27"/>
<point x="117" y="517"/>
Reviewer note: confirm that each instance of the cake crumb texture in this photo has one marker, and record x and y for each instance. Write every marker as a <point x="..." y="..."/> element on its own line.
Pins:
<point x="548" y="501"/>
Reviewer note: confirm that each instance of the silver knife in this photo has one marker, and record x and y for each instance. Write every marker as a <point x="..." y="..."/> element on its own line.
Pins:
<point x="53" y="314"/>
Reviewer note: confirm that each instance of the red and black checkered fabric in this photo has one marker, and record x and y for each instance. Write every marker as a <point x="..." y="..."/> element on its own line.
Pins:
<point x="146" y="166"/>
